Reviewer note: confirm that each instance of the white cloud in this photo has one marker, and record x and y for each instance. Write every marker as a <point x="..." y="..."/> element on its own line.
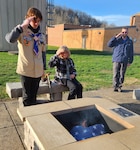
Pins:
<point x="118" y="20"/>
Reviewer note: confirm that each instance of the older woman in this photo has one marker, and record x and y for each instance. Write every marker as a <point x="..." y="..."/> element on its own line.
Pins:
<point x="66" y="72"/>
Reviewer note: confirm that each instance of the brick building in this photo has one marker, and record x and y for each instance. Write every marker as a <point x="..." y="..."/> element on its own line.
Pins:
<point x="91" y="38"/>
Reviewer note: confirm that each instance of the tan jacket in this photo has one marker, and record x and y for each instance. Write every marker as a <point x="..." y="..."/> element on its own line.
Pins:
<point x="29" y="64"/>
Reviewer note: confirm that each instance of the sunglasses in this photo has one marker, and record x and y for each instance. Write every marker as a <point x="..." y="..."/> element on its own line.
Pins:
<point x="124" y="32"/>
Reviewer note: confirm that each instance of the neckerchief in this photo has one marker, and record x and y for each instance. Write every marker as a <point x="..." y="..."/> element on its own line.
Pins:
<point x="36" y="41"/>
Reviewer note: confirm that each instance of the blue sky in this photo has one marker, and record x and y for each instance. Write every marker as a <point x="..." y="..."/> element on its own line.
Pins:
<point x="117" y="12"/>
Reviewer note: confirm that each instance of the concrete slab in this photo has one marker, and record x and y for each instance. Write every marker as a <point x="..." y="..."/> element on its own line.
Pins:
<point x="10" y="124"/>
<point x="124" y="99"/>
<point x="104" y="143"/>
<point x="9" y="139"/>
<point x="42" y="109"/>
<point x="117" y="97"/>
<point x="11" y="107"/>
<point x="89" y="101"/>
<point x="130" y="138"/>
<point x="5" y="120"/>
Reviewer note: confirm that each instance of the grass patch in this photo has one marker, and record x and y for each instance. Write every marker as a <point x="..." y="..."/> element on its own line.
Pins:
<point x="94" y="69"/>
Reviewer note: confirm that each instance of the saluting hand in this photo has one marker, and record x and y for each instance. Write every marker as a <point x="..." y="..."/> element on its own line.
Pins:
<point x="118" y="35"/>
<point x="27" y="21"/>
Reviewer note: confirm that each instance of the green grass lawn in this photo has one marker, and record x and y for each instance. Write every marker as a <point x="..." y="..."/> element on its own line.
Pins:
<point x="94" y="69"/>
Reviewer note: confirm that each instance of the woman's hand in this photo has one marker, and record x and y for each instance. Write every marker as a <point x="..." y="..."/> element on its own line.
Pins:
<point x="72" y="76"/>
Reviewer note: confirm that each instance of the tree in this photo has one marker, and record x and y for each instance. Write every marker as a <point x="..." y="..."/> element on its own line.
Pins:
<point x="63" y="15"/>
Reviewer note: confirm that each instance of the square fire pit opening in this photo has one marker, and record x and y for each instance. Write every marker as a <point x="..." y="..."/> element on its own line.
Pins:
<point x="92" y="115"/>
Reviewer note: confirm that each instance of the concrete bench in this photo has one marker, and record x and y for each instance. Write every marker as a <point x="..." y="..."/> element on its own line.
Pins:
<point x="14" y="89"/>
<point x="136" y="94"/>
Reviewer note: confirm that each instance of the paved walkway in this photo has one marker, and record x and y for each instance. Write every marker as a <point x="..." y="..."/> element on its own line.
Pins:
<point x="11" y="127"/>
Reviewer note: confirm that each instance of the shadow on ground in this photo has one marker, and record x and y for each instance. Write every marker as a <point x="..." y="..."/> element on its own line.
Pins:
<point x="127" y="91"/>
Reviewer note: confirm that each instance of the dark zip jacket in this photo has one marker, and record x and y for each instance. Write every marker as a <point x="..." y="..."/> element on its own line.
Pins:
<point x="122" y="49"/>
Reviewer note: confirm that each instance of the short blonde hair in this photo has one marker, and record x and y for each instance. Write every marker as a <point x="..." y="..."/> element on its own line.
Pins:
<point x="63" y="49"/>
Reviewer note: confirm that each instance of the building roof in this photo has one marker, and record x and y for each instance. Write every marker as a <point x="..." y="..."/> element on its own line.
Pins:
<point x="137" y="14"/>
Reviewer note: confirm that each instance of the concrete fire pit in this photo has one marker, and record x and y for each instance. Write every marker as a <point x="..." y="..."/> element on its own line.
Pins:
<point x="46" y="126"/>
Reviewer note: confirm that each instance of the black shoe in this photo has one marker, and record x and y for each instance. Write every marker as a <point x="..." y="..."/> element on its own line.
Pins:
<point x="26" y="104"/>
<point x="115" y="89"/>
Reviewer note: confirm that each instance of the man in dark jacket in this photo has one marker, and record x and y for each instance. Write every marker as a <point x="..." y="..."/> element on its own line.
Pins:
<point x="122" y="57"/>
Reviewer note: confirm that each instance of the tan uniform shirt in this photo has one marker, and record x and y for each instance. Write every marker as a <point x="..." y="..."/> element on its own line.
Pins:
<point x="29" y="64"/>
